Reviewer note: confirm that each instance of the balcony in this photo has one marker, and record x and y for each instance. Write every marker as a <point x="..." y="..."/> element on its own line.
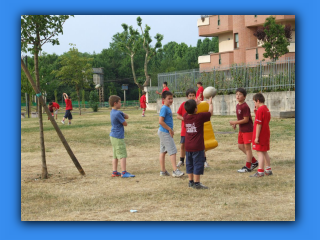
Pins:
<point x="259" y="20"/>
<point x="209" y="62"/>
<point x="215" y="25"/>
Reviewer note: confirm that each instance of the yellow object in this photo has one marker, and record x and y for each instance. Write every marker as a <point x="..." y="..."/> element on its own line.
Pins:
<point x="210" y="141"/>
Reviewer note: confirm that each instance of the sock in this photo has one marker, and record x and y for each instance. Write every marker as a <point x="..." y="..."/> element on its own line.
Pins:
<point x="191" y="181"/>
<point x="260" y="170"/>
<point x="248" y="164"/>
<point x="268" y="168"/>
<point x="143" y="112"/>
<point x="254" y="160"/>
<point x="182" y="159"/>
<point x="123" y="172"/>
<point x="196" y="183"/>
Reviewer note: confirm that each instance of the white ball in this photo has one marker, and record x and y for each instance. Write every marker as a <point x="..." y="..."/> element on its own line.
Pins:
<point x="98" y="85"/>
<point x="209" y="92"/>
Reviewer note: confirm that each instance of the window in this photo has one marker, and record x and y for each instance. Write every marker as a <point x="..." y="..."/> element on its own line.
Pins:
<point x="218" y="20"/>
<point x="219" y="58"/>
<point x="236" y="40"/>
<point x="257" y="54"/>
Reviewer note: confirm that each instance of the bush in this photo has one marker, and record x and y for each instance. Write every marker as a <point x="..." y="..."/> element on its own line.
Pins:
<point x="94" y="100"/>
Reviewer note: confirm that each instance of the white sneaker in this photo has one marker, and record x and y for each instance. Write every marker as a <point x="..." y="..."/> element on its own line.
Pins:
<point x="62" y="122"/>
<point x="206" y="164"/>
<point x="177" y="173"/>
<point x="180" y="164"/>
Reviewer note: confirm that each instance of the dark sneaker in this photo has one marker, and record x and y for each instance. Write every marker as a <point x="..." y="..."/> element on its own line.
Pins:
<point x="163" y="174"/>
<point x="268" y="173"/>
<point x="244" y="169"/>
<point x="199" y="186"/>
<point x="116" y="174"/>
<point x="254" y="165"/>
<point x="257" y="174"/>
<point x="191" y="184"/>
<point x="127" y="175"/>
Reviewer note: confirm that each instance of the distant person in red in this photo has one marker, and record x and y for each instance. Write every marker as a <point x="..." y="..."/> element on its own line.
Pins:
<point x="143" y="102"/>
<point x="200" y="91"/>
<point x="261" y="136"/>
<point x="54" y="107"/>
<point x="165" y="88"/>
<point x="68" y="114"/>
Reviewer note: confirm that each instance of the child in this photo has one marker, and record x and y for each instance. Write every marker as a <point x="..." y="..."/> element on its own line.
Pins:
<point x="117" y="137"/>
<point x="165" y="88"/>
<point x="143" y="102"/>
<point x="261" y="136"/>
<point x="55" y="107"/>
<point x="165" y="133"/>
<point x="191" y="94"/>
<point x="68" y="114"/>
<point x="200" y="91"/>
<point x="245" y="130"/>
<point x="194" y="141"/>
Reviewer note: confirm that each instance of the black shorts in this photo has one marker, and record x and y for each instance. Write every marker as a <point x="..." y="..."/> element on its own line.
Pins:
<point x="195" y="162"/>
<point x="68" y="114"/>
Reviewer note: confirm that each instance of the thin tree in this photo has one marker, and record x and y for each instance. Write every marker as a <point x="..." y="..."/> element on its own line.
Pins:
<point x="36" y="30"/>
<point x="275" y="37"/>
<point x="150" y="51"/>
<point x="129" y="42"/>
<point x="76" y="70"/>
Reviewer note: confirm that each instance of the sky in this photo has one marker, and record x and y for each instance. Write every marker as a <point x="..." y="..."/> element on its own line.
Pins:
<point x="93" y="33"/>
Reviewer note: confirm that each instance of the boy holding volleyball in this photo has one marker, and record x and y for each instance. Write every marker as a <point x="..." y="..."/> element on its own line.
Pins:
<point x="117" y="137"/>
<point x="261" y="136"/>
<point x="194" y="141"/>
<point x="245" y="130"/>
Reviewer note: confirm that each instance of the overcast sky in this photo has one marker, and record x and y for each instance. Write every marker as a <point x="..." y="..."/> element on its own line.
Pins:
<point x="94" y="32"/>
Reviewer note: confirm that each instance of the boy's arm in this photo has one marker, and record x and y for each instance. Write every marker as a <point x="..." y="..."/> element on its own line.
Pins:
<point x="165" y="126"/>
<point x="244" y="120"/>
<point x="258" y="130"/>
<point x="179" y="117"/>
<point x="125" y="123"/>
<point x="125" y="116"/>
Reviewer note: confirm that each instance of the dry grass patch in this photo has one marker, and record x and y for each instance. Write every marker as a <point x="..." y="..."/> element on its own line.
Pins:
<point x="68" y="196"/>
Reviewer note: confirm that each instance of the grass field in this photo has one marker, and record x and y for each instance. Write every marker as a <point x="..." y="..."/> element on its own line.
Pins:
<point x="68" y="196"/>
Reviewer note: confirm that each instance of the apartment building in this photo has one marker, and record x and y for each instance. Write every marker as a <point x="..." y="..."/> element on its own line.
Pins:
<point x="237" y="44"/>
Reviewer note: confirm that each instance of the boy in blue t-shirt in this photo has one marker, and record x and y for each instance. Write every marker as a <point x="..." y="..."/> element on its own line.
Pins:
<point x="166" y="133"/>
<point x="117" y="137"/>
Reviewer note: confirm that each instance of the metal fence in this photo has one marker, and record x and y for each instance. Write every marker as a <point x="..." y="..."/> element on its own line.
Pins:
<point x="254" y="77"/>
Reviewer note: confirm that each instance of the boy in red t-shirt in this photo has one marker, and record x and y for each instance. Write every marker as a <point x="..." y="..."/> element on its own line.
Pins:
<point x="165" y="88"/>
<point x="200" y="91"/>
<point x="194" y="142"/>
<point x="261" y="136"/>
<point x="191" y="94"/>
<point x="245" y="130"/>
<point x="53" y="107"/>
<point x="143" y="102"/>
<point x="68" y="114"/>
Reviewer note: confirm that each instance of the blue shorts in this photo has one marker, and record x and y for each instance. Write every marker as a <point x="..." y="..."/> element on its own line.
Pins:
<point x="182" y="139"/>
<point x="195" y="162"/>
<point x="68" y="114"/>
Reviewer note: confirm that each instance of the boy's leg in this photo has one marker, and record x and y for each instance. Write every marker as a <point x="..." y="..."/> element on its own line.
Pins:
<point x="173" y="162"/>
<point x="123" y="162"/>
<point x="182" y="152"/>
<point x="198" y="162"/>
<point x="268" y="170"/>
<point x="162" y="161"/>
<point x="206" y="165"/>
<point x="260" y="172"/>
<point x="115" y="164"/>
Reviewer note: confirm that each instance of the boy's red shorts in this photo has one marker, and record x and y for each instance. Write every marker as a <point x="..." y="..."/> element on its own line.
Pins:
<point x="260" y="148"/>
<point x="244" y="137"/>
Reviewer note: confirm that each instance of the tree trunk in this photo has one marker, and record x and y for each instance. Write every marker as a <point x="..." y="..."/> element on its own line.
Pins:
<point x="147" y="82"/>
<point x="134" y="74"/>
<point x="78" y="94"/>
<point x="44" y="174"/>
<point x="55" y="125"/>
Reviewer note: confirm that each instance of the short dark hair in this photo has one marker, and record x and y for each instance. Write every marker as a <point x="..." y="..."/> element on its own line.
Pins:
<point x="143" y="92"/>
<point x="199" y="83"/>
<point x="190" y="106"/>
<point x="242" y="90"/>
<point x="258" y="96"/>
<point x="165" y="83"/>
<point x="165" y="94"/>
<point x="50" y="103"/>
<point x="190" y="90"/>
<point x="113" y="99"/>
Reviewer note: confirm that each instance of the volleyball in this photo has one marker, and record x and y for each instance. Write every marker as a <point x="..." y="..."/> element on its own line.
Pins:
<point x="209" y="92"/>
<point x="98" y="85"/>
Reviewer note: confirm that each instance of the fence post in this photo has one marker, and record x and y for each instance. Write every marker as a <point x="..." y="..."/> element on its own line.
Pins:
<point x="261" y="74"/>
